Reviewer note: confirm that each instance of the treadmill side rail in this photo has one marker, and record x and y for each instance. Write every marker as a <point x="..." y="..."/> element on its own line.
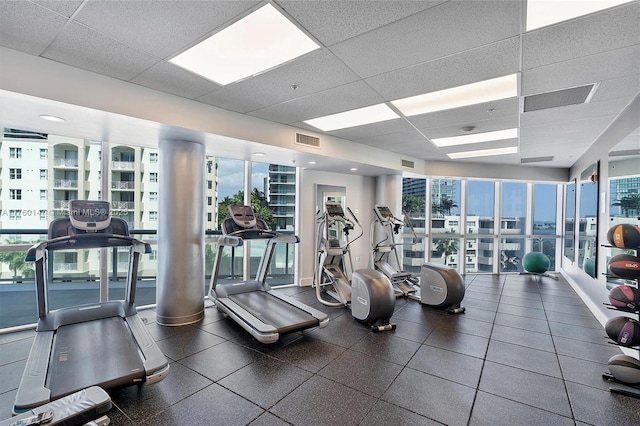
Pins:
<point x="155" y="363"/>
<point x="32" y="391"/>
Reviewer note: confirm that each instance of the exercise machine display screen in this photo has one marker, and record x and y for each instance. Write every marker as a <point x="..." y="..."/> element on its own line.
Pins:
<point x="90" y="215"/>
<point x="385" y="212"/>
<point x="334" y="209"/>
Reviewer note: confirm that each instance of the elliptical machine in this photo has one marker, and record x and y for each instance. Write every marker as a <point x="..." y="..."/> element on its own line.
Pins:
<point x="439" y="286"/>
<point x="384" y="253"/>
<point x="367" y="292"/>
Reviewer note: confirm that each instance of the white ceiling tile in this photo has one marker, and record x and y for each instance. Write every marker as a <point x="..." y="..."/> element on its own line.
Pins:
<point x="81" y="47"/>
<point x="482" y="63"/>
<point x="579" y="71"/>
<point x="161" y="28"/>
<point x="172" y="79"/>
<point x="439" y="31"/>
<point x="619" y="88"/>
<point x="574" y="112"/>
<point x="347" y="19"/>
<point x="473" y="115"/>
<point x="314" y="72"/>
<point x="63" y="7"/>
<point x="381" y="129"/>
<point x="20" y="17"/>
<point x="608" y="30"/>
<point x="332" y="101"/>
<point x="488" y="125"/>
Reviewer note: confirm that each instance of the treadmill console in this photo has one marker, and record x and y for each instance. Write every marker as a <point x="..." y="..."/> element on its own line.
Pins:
<point x="89" y="215"/>
<point x="243" y="216"/>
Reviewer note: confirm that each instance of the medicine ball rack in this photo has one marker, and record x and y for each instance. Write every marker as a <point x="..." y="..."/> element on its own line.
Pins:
<point x="628" y="389"/>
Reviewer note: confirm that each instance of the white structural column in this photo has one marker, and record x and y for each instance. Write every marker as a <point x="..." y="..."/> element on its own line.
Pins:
<point x="389" y="192"/>
<point x="181" y="184"/>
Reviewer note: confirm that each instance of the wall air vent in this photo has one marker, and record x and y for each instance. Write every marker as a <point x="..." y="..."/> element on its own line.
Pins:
<point x="558" y="98"/>
<point x="407" y="163"/>
<point x="536" y="159"/>
<point x="302" y="139"/>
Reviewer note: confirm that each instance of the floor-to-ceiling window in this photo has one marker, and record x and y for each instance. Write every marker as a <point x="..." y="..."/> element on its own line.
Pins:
<point x="480" y="224"/>
<point x="513" y="212"/>
<point x="544" y="220"/>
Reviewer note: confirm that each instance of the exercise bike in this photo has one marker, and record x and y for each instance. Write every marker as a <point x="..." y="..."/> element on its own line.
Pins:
<point x="384" y="254"/>
<point x="367" y="292"/>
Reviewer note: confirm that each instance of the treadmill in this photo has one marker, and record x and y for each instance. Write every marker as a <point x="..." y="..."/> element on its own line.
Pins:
<point x="102" y="344"/>
<point x="264" y="313"/>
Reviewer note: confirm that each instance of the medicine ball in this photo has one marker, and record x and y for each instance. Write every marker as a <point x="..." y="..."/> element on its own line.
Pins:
<point x="625" y="266"/>
<point x="625" y="331"/>
<point x="625" y="368"/>
<point x="624" y="236"/>
<point x="624" y="296"/>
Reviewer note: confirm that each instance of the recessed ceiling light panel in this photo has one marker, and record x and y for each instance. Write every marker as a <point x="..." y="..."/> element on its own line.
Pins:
<point x="260" y="41"/>
<point x="483" y="152"/>
<point x="52" y="118"/>
<point x="456" y="97"/>
<point x="476" y="138"/>
<point x="355" y="117"/>
<point x="541" y="13"/>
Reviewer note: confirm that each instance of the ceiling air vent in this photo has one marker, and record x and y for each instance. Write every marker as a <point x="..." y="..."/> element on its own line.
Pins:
<point x="564" y="97"/>
<point x="407" y="163"/>
<point x="307" y="140"/>
<point x="536" y="159"/>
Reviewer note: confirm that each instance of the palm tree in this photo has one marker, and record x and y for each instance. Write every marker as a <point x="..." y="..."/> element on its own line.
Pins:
<point x="446" y="205"/>
<point x="16" y="262"/>
<point x="628" y="204"/>
<point x="446" y="246"/>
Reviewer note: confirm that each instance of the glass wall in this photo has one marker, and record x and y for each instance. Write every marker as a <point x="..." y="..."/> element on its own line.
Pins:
<point x="42" y="173"/>
<point x="513" y="211"/>
<point x="414" y="201"/>
<point x="544" y="220"/>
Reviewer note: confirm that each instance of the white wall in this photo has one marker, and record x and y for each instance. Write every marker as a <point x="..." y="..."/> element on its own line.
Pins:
<point x="360" y="199"/>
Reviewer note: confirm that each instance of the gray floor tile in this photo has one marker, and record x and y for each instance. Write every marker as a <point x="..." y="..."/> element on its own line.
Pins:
<point x="469" y="325"/>
<point x="518" y="321"/>
<point x="16" y="350"/>
<point x="493" y="410"/>
<point x="537" y="390"/>
<point x="411" y="331"/>
<point x="10" y="375"/>
<point x="369" y="375"/>
<point x="7" y="399"/>
<point x="521" y="311"/>
<point x="140" y="404"/>
<point x="320" y="401"/>
<point x="585" y="350"/>
<point x="471" y="303"/>
<point x="266" y="381"/>
<point x="598" y="407"/>
<point x="577" y="332"/>
<point x="213" y="405"/>
<point x="221" y="360"/>
<point x="387" y="346"/>
<point x="567" y="309"/>
<point x="16" y="335"/>
<point x="385" y="414"/>
<point x="580" y="320"/>
<point x="459" y="342"/>
<point x="459" y="368"/>
<point x="268" y="419"/>
<point x="431" y="397"/>
<point x="309" y="353"/>
<point x="584" y="372"/>
<point x="519" y="301"/>
<point x="518" y="336"/>
<point x="343" y="331"/>
<point x="188" y="342"/>
<point x="484" y="315"/>
<point x="525" y="358"/>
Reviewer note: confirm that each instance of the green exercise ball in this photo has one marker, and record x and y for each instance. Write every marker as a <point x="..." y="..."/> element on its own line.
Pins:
<point x="536" y="262"/>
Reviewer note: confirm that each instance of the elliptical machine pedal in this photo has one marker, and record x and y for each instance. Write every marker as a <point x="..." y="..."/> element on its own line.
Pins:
<point x="383" y="326"/>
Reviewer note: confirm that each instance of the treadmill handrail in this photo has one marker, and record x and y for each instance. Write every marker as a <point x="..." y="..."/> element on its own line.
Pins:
<point x="82" y="241"/>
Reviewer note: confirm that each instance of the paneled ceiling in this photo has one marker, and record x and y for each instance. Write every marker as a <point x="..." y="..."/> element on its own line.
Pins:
<point x="371" y="52"/>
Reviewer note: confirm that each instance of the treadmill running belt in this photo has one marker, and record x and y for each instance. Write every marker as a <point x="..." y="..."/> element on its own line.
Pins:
<point x="271" y="310"/>
<point x="101" y="352"/>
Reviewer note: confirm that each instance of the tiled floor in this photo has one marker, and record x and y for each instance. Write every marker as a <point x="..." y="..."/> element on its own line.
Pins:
<point x="526" y="352"/>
